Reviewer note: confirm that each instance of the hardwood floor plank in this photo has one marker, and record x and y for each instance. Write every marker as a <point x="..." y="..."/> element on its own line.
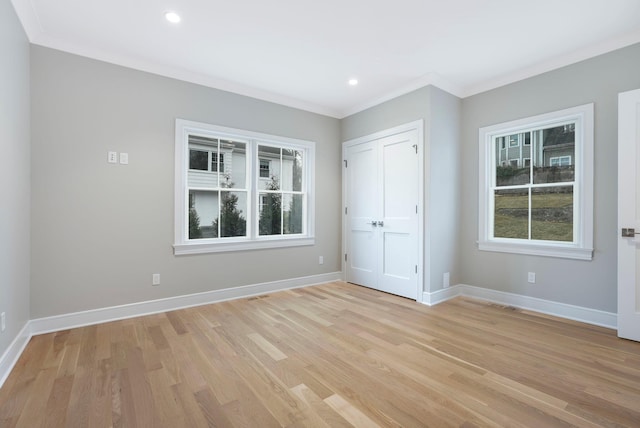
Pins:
<point x="319" y="413"/>
<point x="101" y="394"/>
<point x="267" y="347"/>
<point x="333" y="355"/>
<point x="353" y="415"/>
<point x="34" y="406"/>
<point x="81" y="397"/>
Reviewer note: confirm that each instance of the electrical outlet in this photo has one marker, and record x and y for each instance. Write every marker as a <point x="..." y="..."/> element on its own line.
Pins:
<point x="531" y="277"/>
<point x="3" y="321"/>
<point x="445" y="280"/>
<point x="155" y="279"/>
<point x="124" y="158"/>
<point x="321" y="260"/>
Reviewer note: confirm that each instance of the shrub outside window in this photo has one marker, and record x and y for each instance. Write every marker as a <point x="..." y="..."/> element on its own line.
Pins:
<point x="224" y="201"/>
<point x="536" y="196"/>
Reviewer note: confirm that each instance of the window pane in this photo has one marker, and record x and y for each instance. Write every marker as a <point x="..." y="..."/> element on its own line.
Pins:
<point x="271" y="156"/>
<point x="291" y="170"/>
<point x="292" y="206"/>
<point x="232" y="215"/>
<point x="235" y="164"/>
<point x="554" y="160"/>
<point x="511" y="168"/>
<point x="203" y="209"/>
<point x="511" y="214"/>
<point x="270" y="214"/>
<point x="198" y="159"/>
<point x="552" y="213"/>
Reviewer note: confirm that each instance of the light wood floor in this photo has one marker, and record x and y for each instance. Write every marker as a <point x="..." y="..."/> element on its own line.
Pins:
<point x="328" y="356"/>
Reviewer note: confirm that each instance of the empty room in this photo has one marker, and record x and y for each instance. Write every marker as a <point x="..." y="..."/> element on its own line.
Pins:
<point x="320" y="214"/>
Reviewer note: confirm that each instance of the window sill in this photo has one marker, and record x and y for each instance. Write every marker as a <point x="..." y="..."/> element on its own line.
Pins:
<point x="244" y="245"/>
<point x="560" y="251"/>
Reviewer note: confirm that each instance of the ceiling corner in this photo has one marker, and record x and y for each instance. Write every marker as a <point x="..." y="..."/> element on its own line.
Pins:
<point x="28" y="18"/>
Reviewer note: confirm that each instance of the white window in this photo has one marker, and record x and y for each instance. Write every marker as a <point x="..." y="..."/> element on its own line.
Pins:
<point x="224" y="200"/>
<point x="560" y="161"/>
<point x="546" y="207"/>
<point x="264" y="168"/>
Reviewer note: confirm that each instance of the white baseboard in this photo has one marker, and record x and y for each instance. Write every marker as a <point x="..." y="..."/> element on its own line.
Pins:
<point x="440" y="296"/>
<point x="563" y="310"/>
<point x="131" y="310"/>
<point x="96" y="316"/>
<point x="13" y="352"/>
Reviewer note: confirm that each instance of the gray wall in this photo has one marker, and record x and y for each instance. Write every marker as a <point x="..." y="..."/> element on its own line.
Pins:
<point x="589" y="284"/>
<point x="100" y="230"/>
<point x="15" y="186"/>
<point x="441" y="113"/>
<point x="444" y="183"/>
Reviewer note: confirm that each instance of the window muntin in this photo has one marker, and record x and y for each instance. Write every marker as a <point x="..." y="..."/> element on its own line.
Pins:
<point x="222" y="196"/>
<point x="537" y="198"/>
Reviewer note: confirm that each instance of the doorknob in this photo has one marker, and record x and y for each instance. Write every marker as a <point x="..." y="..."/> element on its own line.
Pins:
<point x="373" y="223"/>
<point x="629" y="233"/>
<point x="381" y="223"/>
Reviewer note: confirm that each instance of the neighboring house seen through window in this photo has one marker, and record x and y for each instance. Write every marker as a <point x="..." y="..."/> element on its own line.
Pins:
<point x="536" y="196"/>
<point x="239" y="190"/>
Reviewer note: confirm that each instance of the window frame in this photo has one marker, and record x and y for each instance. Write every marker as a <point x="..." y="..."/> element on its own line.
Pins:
<point x="184" y="245"/>
<point x="582" y="246"/>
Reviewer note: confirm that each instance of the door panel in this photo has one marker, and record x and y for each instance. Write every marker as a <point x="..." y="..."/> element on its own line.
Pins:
<point x="361" y="239"/>
<point x="629" y="215"/>
<point x="399" y="200"/>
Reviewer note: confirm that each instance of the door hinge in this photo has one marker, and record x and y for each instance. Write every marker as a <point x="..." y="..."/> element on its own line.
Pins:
<point x="416" y="209"/>
<point x="345" y="257"/>
<point x="345" y="210"/>
<point x="416" y="268"/>
<point x="345" y="163"/>
<point x="415" y="146"/>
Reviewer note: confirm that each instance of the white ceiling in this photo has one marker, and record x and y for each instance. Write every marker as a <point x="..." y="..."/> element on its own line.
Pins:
<point x="301" y="53"/>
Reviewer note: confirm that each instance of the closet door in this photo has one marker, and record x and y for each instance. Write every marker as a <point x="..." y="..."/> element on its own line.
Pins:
<point x="362" y="214"/>
<point x="382" y="214"/>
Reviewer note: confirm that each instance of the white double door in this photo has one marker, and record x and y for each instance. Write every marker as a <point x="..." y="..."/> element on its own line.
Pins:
<point x="629" y="215"/>
<point x="381" y="213"/>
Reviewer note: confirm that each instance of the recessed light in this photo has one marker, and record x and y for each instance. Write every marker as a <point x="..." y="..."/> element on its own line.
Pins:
<point x="353" y="82"/>
<point x="172" y="17"/>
